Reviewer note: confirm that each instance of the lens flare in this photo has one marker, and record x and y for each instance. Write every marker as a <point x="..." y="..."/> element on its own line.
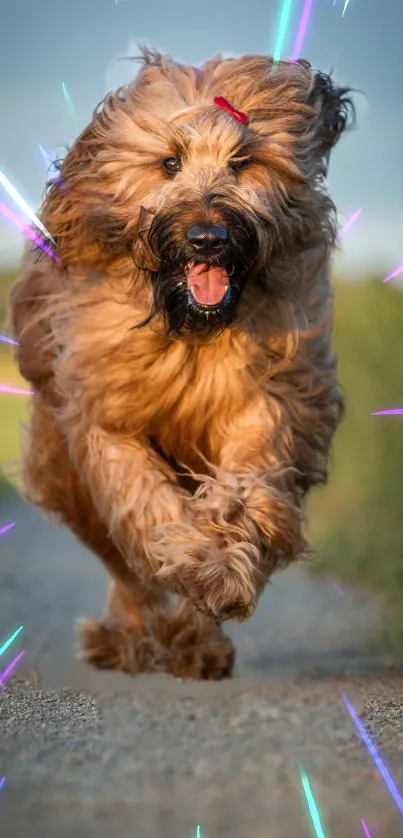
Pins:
<point x="398" y="411"/>
<point x="69" y="101"/>
<point x="301" y="30"/>
<point x="15" y="391"/>
<point x="7" y="528"/>
<point x="2" y="781"/>
<point x="10" y="640"/>
<point x="198" y="833"/>
<point x="374" y="754"/>
<point x="10" y="667"/>
<point x="394" y="274"/>
<point x="11" y="216"/>
<point x="285" y="16"/>
<point x="313" y="811"/>
<point x="365" y="828"/>
<point x="345" y="7"/>
<point x="349" y="223"/>
<point x="16" y="197"/>
<point x="51" y="167"/>
<point x="5" y="339"/>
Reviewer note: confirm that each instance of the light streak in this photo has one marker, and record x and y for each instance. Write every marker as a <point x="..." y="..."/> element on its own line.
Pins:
<point x="11" y="216"/>
<point x="15" y="391"/>
<point x="51" y="167"/>
<point x="365" y="828"/>
<point x="5" y="339"/>
<point x="17" y="198"/>
<point x="285" y="15"/>
<point x="69" y="101"/>
<point x="301" y="30"/>
<point x="345" y="7"/>
<point x="397" y="411"/>
<point x="10" y="667"/>
<point x="313" y="810"/>
<point x="394" y="274"/>
<point x="10" y="640"/>
<point x="374" y="754"/>
<point x="7" y="528"/>
<point x="349" y="223"/>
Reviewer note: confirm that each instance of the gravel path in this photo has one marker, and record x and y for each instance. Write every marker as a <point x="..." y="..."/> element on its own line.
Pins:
<point x="98" y="754"/>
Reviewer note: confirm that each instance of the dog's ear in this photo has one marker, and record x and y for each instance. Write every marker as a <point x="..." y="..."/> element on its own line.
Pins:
<point x="335" y="111"/>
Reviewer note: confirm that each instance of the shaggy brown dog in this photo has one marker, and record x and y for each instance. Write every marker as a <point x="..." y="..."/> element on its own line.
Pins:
<point x="180" y="349"/>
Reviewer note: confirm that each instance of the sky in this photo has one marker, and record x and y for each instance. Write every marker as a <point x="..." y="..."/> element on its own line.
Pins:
<point x="78" y="42"/>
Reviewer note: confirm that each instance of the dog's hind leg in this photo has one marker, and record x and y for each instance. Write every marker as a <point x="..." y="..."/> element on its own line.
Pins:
<point x="176" y="640"/>
<point x="140" y="631"/>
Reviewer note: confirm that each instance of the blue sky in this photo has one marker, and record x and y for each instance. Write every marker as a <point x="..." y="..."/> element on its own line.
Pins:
<point x="47" y="42"/>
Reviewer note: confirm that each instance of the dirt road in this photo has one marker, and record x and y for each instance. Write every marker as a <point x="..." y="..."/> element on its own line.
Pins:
<point x="96" y="754"/>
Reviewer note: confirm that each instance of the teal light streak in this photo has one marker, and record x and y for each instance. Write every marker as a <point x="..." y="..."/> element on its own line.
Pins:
<point x="285" y="16"/>
<point x="10" y="640"/>
<point x="313" y="811"/>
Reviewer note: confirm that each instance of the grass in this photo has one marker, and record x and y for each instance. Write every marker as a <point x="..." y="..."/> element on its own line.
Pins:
<point x="356" y="522"/>
<point x="13" y="409"/>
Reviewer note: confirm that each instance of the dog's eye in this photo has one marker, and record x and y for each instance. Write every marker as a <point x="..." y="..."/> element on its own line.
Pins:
<point x="237" y="165"/>
<point x="172" y="165"/>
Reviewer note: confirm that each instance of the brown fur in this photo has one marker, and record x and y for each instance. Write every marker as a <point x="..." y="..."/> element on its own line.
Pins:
<point x="182" y="463"/>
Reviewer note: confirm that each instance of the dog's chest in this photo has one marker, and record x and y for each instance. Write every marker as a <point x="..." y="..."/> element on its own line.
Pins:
<point x="203" y="392"/>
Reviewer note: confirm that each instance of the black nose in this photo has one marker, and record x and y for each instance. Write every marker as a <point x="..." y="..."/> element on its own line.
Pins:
<point x="207" y="236"/>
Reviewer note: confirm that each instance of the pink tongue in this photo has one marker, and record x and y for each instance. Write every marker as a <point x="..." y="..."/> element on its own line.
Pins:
<point x="208" y="285"/>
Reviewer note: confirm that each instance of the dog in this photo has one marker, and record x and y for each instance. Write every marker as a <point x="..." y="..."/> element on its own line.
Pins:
<point x="179" y="345"/>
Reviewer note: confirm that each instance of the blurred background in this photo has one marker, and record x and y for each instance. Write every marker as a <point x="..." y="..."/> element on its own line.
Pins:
<point x="355" y="523"/>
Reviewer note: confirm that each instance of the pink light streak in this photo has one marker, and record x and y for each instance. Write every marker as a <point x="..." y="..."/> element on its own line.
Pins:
<point x="349" y="223"/>
<point x="10" y="215"/>
<point x="301" y="30"/>
<point x="394" y="274"/>
<point x="15" y="391"/>
<point x="365" y="828"/>
<point x="397" y="411"/>
<point x="7" y="528"/>
<point x="10" y="667"/>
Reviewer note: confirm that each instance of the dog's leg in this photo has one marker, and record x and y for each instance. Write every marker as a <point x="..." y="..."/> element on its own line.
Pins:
<point x="188" y="546"/>
<point x="250" y="513"/>
<point x="159" y="638"/>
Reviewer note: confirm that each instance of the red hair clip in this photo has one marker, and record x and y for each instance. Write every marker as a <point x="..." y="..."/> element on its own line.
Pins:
<point x="222" y="103"/>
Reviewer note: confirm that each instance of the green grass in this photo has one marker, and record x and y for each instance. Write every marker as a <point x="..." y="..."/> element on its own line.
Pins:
<point x="356" y="522"/>
<point x="13" y="409"/>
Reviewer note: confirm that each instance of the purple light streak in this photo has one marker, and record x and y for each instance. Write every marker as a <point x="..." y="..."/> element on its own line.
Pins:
<point x="2" y="781"/>
<point x="5" y="339"/>
<point x="365" y="828"/>
<point x="338" y="588"/>
<point x="7" y="528"/>
<point x="349" y="223"/>
<point x="374" y="755"/>
<point x="10" y="215"/>
<point x="394" y="274"/>
<point x="10" y="667"/>
<point x="15" y="391"/>
<point x="301" y="30"/>
<point x="398" y="411"/>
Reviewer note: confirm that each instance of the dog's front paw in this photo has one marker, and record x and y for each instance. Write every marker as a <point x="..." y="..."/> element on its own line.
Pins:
<point x="222" y="585"/>
<point x="218" y="592"/>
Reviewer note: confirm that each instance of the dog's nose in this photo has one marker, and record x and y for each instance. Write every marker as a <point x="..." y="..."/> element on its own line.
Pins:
<point x="207" y="236"/>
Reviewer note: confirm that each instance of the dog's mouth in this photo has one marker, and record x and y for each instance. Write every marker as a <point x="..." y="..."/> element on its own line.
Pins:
<point x="207" y="284"/>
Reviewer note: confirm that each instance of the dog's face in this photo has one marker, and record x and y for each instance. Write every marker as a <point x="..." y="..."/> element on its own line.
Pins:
<point x="203" y="201"/>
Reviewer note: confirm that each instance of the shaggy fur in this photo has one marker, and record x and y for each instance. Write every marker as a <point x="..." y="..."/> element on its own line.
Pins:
<point x="178" y="442"/>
